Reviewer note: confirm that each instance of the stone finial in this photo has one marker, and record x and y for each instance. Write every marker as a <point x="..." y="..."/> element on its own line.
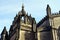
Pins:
<point x="47" y="5"/>
<point x="48" y="10"/>
<point x="34" y="20"/>
<point x="4" y="27"/>
<point x="27" y="13"/>
<point x="59" y="12"/>
<point x="30" y="15"/>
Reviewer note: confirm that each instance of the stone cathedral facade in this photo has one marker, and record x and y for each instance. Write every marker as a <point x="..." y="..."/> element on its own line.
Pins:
<point x="24" y="27"/>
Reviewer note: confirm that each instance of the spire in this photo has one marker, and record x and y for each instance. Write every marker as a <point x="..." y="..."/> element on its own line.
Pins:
<point x="4" y="34"/>
<point x="48" y="10"/>
<point x="4" y="27"/>
<point x="4" y="30"/>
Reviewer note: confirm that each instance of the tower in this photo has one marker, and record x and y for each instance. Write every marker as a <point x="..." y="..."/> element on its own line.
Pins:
<point x="27" y="29"/>
<point x="23" y="27"/>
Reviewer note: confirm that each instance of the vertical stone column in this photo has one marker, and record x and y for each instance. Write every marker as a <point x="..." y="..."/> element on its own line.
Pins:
<point x="22" y="35"/>
<point x="53" y="31"/>
<point x="38" y="35"/>
<point x="55" y="36"/>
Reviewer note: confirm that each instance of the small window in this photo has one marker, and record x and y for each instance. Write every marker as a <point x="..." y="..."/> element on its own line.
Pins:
<point x="23" y="18"/>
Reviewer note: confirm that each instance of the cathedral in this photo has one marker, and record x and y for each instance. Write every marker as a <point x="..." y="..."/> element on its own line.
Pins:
<point x="24" y="27"/>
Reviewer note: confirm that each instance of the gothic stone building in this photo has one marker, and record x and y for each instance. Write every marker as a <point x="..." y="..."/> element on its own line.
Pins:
<point x="24" y="27"/>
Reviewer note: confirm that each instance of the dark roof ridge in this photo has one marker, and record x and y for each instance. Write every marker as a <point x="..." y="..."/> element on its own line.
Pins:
<point x="40" y="22"/>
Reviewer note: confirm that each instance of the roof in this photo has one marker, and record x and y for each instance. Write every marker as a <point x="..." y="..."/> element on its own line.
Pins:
<point x="53" y="15"/>
<point x="40" y="22"/>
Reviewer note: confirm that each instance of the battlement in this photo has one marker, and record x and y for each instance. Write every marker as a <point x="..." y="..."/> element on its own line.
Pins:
<point x="57" y="13"/>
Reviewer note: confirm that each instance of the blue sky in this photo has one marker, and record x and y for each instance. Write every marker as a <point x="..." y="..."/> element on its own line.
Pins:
<point x="37" y="8"/>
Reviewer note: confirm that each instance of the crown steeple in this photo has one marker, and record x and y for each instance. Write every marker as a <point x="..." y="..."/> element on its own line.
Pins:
<point x="22" y="6"/>
<point x="23" y="11"/>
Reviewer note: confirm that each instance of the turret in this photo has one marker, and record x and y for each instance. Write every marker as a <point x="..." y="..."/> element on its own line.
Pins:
<point x="4" y="34"/>
<point x="48" y="10"/>
<point x="33" y="25"/>
<point x="34" y="29"/>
